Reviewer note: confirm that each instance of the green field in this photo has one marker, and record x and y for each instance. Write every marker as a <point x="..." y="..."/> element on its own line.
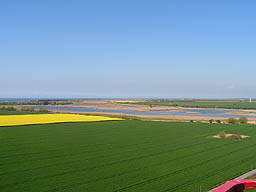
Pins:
<point x="205" y="104"/>
<point x="6" y="112"/>
<point x="117" y="156"/>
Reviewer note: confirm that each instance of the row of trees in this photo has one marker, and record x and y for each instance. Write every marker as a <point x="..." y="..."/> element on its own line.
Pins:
<point x="9" y="108"/>
<point x="241" y="120"/>
<point x="31" y="109"/>
<point x="27" y="109"/>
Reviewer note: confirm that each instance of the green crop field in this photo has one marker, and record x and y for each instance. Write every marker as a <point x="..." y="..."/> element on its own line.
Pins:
<point x="206" y="104"/>
<point x="119" y="156"/>
<point x="6" y="112"/>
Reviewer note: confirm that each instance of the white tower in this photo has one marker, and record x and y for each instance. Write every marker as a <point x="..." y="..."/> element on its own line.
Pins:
<point x="250" y="99"/>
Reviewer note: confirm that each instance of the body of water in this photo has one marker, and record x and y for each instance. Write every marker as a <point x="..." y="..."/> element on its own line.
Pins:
<point x="200" y="113"/>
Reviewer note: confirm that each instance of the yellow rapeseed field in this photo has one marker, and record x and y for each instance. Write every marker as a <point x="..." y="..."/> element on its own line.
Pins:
<point x="12" y="120"/>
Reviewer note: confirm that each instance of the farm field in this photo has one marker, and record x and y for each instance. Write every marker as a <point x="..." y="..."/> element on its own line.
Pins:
<point x="13" y="120"/>
<point x="117" y="156"/>
<point x="6" y="112"/>
<point x="206" y="104"/>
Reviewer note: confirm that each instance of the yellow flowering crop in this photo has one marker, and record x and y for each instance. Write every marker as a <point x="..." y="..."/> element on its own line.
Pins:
<point x="12" y="120"/>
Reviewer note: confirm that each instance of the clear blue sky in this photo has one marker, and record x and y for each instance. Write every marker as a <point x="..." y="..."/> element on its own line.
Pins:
<point x="128" y="48"/>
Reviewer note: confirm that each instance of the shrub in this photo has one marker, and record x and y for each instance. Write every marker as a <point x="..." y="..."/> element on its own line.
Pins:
<point x="43" y="110"/>
<point x="222" y="134"/>
<point x="30" y="109"/>
<point x="211" y="121"/>
<point x="192" y="121"/>
<point x="10" y="108"/>
<point x="243" y="120"/>
<point x="218" y="121"/>
<point x="232" y="120"/>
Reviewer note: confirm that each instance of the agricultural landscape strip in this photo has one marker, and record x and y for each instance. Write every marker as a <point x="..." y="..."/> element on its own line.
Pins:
<point x="120" y="156"/>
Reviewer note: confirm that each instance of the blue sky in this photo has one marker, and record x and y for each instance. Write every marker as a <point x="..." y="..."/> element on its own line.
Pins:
<point x="128" y="48"/>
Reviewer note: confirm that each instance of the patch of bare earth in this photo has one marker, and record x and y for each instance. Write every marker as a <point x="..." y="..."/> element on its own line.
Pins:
<point x="231" y="136"/>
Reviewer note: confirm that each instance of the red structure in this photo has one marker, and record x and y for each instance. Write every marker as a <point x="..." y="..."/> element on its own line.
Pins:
<point x="237" y="186"/>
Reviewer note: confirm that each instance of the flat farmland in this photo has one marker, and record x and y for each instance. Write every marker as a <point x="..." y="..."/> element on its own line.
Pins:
<point x="205" y="104"/>
<point x="118" y="156"/>
<point x="6" y="112"/>
<point x="35" y="119"/>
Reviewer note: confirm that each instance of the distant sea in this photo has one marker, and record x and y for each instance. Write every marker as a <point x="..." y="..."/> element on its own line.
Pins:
<point x="37" y="99"/>
<point x="23" y="99"/>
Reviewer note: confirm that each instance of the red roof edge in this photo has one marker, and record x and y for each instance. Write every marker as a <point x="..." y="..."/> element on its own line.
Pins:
<point x="248" y="184"/>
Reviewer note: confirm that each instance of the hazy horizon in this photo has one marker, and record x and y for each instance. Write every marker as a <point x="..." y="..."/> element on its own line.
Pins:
<point x="77" y="98"/>
<point x="128" y="49"/>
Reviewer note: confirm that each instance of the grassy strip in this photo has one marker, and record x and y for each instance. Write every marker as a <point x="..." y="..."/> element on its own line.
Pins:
<point x="6" y="112"/>
<point x="208" y="104"/>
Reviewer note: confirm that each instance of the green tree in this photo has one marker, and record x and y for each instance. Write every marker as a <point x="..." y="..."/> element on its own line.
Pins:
<point x="218" y="121"/>
<point x="232" y="120"/>
<point x="222" y="134"/>
<point x="243" y="120"/>
<point x="42" y="110"/>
